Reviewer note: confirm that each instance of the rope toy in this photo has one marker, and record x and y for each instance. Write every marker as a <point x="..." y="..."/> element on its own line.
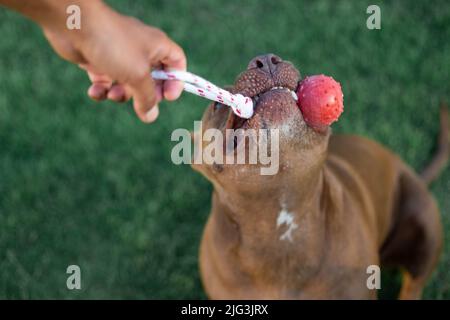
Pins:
<point x="241" y="106"/>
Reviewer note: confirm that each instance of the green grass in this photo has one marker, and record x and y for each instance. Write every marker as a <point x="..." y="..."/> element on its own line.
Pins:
<point x="88" y="184"/>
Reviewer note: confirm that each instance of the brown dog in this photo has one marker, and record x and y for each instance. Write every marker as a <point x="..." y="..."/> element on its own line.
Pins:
<point x="337" y="205"/>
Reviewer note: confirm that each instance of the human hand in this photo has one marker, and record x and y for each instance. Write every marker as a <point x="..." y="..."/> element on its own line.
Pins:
<point x="118" y="53"/>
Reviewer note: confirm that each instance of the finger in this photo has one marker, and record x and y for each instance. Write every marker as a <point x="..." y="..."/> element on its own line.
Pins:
<point x="159" y="89"/>
<point x="94" y="75"/>
<point x="97" y="92"/>
<point x="174" y="59"/>
<point x="118" y="93"/>
<point x="172" y="89"/>
<point x="100" y="85"/>
<point x="100" y="79"/>
<point x="144" y="97"/>
<point x="153" y="114"/>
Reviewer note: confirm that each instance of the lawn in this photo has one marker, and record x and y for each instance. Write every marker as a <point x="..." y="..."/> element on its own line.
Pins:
<point x="88" y="184"/>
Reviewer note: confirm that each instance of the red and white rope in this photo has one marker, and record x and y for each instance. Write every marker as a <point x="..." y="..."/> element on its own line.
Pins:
<point x="242" y="106"/>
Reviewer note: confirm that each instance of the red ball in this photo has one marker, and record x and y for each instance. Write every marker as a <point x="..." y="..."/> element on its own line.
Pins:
<point x="321" y="100"/>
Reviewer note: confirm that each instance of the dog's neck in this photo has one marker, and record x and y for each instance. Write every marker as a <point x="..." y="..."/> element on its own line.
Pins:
<point x="279" y="210"/>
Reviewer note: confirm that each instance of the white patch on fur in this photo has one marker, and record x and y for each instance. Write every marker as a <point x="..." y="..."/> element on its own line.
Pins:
<point x="287" y="218"/>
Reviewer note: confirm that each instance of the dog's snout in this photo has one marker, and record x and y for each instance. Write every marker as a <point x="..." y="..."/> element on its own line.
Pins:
<point x="265" y="62"/>
<point x="265" y="72"/>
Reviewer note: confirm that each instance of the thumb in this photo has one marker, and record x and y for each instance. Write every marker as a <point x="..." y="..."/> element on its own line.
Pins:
<point x="145" y="98"/>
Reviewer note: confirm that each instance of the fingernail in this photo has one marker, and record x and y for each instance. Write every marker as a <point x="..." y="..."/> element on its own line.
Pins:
<point x="152" y="114"/>
<point x="97" y="92"/>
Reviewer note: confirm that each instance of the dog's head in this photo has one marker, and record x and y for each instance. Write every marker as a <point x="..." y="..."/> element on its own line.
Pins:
<point x="271" y="83"/>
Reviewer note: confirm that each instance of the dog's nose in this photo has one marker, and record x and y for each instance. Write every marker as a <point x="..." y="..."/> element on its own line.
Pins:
<point x="266" y="62"/>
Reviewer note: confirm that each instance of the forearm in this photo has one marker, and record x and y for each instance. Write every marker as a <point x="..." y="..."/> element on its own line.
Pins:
<point x="51" y="13"/>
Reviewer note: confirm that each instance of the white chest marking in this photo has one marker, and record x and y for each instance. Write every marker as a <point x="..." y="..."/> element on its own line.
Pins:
<point x="287" y="218"/>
